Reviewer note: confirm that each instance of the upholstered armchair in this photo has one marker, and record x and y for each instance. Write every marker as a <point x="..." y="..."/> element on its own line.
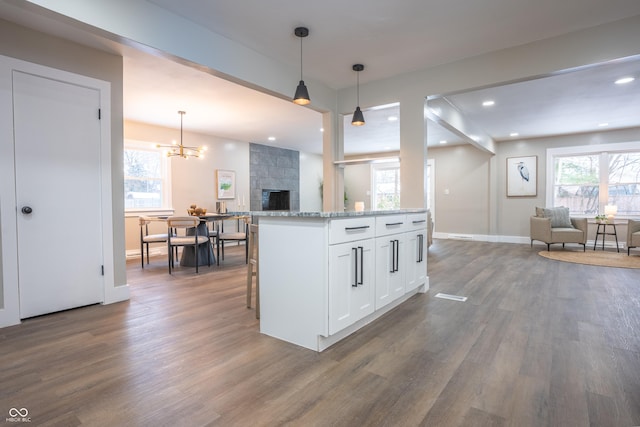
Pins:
<point x="633" y="235"/>
<point x="555" y="226"/>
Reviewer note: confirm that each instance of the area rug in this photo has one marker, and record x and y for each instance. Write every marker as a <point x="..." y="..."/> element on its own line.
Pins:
<point x="600" y="258"/>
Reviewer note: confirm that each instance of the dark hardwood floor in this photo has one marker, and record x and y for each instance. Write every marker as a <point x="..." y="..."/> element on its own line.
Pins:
<point x="538" y="343"/>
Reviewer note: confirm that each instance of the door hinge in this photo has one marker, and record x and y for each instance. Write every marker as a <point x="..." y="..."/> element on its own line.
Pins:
<point x="102" y="269"/>
<point x="99" y="114"/>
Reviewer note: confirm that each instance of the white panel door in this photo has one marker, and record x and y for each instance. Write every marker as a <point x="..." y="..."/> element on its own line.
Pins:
<point x="57" y="159"/>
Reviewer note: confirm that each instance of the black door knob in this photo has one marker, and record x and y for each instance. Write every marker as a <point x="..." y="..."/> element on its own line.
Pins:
<point x="26" y="210"/>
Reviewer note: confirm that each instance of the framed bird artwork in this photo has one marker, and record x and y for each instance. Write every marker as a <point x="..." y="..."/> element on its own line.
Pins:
<point x="522" y="176"/>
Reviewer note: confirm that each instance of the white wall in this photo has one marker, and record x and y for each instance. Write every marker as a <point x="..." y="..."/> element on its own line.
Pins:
<point x="593" y="45"/>
<point x="310" y="181"/>
<point x="512" y="214"/>
<point x="194" y="181"/>
<point x="597" y="44"/>
<point x="472" y="176"/>
<point x="461" y="190"/>
<point x="606" y="42"/>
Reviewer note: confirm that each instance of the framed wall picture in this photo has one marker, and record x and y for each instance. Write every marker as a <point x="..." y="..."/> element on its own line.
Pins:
<point x="522" y="176"/>
<point x="226" y="184"/>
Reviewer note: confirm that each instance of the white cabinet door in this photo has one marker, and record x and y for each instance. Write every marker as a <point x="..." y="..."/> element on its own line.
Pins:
<point x="390" y="268"/>
<point x="351" y="283"/>
<point x="416" y="259"/>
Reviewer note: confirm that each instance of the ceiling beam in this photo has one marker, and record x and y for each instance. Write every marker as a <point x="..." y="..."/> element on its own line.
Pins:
<point x="442" y="111"/>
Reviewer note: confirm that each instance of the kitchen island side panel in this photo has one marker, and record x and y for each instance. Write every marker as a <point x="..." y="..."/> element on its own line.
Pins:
<point x="294" y="279"/>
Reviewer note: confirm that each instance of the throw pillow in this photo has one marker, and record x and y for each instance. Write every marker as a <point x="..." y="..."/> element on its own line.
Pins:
<point x="559" y="217"/>
<point x="539" y="211"/>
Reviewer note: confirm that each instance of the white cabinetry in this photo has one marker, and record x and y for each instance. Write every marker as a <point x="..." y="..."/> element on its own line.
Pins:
<point x="390" y="254"/>
<point x="325" y="275"/>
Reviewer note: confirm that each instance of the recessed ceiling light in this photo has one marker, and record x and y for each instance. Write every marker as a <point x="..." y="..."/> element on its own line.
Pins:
<point x="488" y="103"/>
<point x="321" y="129"/>
<point x="444" y="141"/>
<point x="514" y="134"/>
<point x="624" y="80"/>
<point x="272" y="138"/>
<point x="603" y="124"/>
<point x="392" y="118"/>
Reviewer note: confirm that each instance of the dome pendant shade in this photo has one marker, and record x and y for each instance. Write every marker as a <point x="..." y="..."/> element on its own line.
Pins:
<point x="358" y="117"/>
<point x="302" y="94"/>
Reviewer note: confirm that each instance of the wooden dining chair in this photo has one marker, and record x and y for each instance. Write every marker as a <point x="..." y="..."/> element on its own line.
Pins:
<point x="146" y="239"/>
<point x="175" y="240"/>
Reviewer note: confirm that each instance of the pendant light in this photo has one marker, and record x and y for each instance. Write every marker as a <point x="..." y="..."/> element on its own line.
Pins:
<point x="302" y="94"/>
<point x="182" y="150"/>
<point x="358" y="117"/>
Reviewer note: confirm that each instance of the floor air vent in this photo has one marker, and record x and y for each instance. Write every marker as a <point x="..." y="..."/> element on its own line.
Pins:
<point x="451" y="297"/>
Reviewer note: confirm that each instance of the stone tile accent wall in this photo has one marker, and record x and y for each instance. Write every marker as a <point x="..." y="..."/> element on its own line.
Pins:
<point x="273" y="168"/>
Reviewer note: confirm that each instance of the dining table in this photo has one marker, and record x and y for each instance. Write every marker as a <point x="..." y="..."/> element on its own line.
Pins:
<point x="188" y="257"/>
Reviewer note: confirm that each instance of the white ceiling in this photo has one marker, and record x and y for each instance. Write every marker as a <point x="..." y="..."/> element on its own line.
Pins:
<point x="430" y="33"/>
<point x="583" y="100"/>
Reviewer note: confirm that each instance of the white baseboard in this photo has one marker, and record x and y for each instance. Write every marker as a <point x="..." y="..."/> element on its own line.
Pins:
<point x="135" y="253"/>
<point x="514" y="239"/>
<point x="9" y="317"/>
<point x="162" y="250"/>
<point x="468" y="237"/>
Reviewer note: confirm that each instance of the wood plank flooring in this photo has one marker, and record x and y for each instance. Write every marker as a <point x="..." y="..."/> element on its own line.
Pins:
<point x="538" y="343"/>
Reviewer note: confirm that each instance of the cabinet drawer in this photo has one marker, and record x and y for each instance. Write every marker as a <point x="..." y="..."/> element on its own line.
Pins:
<point x="349" y="229"/>
<point x="416" y="221"/>
<point x="390" y="224"/>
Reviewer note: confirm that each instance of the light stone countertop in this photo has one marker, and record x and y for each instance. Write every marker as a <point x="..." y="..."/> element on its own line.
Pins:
<point x="346" y="214"/>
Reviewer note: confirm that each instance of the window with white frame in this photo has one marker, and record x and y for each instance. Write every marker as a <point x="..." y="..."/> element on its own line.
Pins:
<point x="147" y="184"/>
<point x="385" y="194"/>
<point x="587" y="178"/>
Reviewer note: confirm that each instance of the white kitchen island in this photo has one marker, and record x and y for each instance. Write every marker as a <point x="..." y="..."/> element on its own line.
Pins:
<point x="324" y="275"/>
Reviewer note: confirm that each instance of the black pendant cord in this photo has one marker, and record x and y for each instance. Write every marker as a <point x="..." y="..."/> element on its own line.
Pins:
<point x="358" y="88"/>
<point x="301" y="58"/>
